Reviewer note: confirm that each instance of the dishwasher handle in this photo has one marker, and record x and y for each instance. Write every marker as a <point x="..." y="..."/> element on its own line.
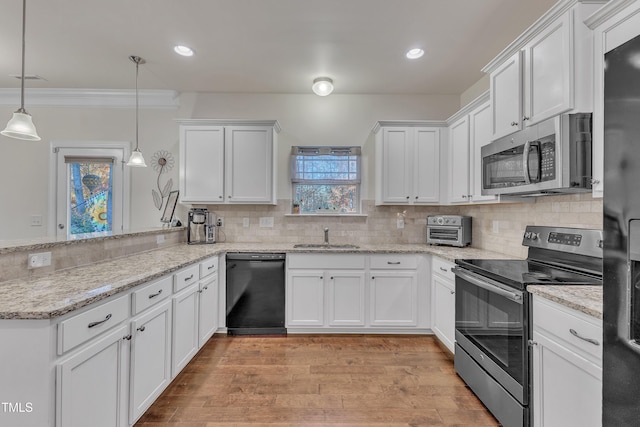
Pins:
<point x="255" y="256"/>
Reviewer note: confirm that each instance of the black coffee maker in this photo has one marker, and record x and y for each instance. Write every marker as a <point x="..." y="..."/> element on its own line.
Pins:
<point x="200" y="226"/>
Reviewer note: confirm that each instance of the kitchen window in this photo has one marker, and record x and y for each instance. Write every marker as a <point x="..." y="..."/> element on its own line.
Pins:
<point x="326" y="180"/>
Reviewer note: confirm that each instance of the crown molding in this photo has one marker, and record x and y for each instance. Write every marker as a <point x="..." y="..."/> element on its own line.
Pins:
<point x="407" y="123"/>
<point x="230" y="122"/>
<point x="96" y="98"/>
<point x="608" y="11"/>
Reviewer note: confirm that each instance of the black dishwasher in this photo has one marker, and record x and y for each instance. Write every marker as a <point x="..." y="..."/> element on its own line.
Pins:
<point x="255" y="294"/>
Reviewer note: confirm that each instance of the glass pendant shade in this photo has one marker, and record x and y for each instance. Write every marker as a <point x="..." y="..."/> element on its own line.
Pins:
<point x="136" y="159"/>
<point x="21" y="127"/>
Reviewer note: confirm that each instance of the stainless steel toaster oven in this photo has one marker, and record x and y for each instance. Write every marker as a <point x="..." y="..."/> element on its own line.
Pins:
<point x="451" y="230"/>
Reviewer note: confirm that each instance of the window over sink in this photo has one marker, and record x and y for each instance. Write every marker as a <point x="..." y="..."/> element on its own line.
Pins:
<point x="325" y="180"/>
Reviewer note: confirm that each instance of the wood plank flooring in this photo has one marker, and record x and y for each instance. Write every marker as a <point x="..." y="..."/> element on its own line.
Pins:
<point x="319" y="380"/>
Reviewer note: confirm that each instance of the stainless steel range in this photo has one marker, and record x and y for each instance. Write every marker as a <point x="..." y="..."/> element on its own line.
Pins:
<point x="493" y="313"/>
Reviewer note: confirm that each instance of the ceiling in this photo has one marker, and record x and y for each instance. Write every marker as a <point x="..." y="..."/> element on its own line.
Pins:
<point x="261" y="46"/>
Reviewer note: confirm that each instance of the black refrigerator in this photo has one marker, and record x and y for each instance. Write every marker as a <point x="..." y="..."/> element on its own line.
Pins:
<point x="621" y="269"/>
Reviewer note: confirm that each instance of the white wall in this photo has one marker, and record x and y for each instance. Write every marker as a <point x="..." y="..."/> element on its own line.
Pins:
<point x="305" y="120"/>
<point x="477" y="89"/>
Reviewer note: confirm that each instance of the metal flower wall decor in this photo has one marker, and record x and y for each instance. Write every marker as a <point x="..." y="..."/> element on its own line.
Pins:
<point x="162" y="162"/>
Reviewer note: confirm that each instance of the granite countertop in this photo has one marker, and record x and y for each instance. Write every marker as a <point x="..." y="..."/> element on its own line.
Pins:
<point x="58" y="293"/>
<point x="587" y="299"/>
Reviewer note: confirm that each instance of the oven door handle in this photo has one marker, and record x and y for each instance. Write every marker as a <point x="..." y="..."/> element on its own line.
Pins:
<point x="488" y="284"/>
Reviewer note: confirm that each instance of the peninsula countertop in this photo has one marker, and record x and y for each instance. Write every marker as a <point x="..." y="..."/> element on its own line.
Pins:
<point x="55" y="294"/>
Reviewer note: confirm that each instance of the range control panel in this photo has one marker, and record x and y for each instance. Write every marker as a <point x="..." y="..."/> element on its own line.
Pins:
<point x="565" y="239"/>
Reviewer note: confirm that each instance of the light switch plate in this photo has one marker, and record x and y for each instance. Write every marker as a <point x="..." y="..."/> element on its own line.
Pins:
<point x="266" y="221"/>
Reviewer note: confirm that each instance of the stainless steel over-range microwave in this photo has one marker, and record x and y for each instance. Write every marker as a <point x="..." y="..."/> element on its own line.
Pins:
<point x="553" y="156"/>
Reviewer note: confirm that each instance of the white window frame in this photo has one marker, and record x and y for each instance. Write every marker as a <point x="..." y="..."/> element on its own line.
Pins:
<point x="56" y="146"/>
<point x="327" y="151"/>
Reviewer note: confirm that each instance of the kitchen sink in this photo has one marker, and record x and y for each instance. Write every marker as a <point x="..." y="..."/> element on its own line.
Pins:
<point x="324" y="246"/>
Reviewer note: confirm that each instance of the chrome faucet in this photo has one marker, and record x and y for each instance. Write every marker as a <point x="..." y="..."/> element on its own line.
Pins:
<point x="326" y="235"/>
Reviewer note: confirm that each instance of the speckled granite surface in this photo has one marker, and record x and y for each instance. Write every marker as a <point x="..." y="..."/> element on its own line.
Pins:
<point x="61" y="292"/>
<point x="587" y="299"/>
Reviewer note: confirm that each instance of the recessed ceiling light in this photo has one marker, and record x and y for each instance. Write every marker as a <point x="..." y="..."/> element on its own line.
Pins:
<point x="322" y="86"/>
<point x="183" y="50"/>
<point x="415" y="53"/>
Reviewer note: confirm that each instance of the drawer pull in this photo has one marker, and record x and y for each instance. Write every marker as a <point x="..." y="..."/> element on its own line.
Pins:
<point x="210" y="267"/>
<point x="589" y="340"/>
<point x="127" y="337"/>
<point x="452" y="292"/>
<point x="186" y="279"/>
<point x="92" y="324"/>
<point x="156" y="294"/>
<point x="443" y="269"/>
<point x="141" y="328"/>
<point x="393" y="263"/>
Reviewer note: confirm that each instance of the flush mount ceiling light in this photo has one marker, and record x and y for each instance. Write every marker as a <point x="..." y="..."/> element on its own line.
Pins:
<point x="183" y="50"/>
<point x="136" y="159"/>
<point x="415" y="53"/>
<point x="322" y="86"/>
<point x="21" y="125"/>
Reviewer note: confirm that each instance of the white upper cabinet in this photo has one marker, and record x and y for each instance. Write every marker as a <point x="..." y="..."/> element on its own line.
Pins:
<point x="546" y="71"/>
<point x="469" y="130"/>
<point x="408" y="163"/>
<point x="224" y="161"/>
<point x="613" y="25"/>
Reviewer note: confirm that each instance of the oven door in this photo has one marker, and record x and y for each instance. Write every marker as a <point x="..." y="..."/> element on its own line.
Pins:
<point x="492" y="328"/>
<point x="444" y="235"/>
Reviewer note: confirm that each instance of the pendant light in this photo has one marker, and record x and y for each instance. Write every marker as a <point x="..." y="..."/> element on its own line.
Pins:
<point x="136" y="159"/>
<point x="21" y="125"/>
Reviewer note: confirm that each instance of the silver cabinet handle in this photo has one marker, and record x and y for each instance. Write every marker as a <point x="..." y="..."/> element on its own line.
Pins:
<point x="589" y="340"/>
<point x="141" y="328"/>
<point x="186" y="279"/>
<point x="443" y="269"/>
<point x="156" y="294"/>
<point x="393" y="263"/>
<point x="92" y="324"/>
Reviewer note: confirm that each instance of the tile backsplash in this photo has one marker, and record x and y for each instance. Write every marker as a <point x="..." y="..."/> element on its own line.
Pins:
<point x="496" y="227"/>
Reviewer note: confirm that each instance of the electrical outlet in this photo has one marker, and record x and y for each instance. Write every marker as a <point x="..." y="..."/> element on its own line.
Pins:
<point x="400" y="223"/>
<point x="245" y="222"/>
<point x="496" y="226"/>
<point x="36" y="220"/>
<point x="41" y="259"/>
<point x="220" y="222"/>
<point x="160" y="238"/>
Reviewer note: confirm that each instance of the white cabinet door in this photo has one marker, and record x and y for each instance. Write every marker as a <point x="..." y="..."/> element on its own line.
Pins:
<point x="208" y="309"/>
<point x="547" y="73"/>
<point x="185" y="327"/>
<point x="480" y="135"/>
<point x="393" y="298"/>
<point x="396" y="165"/>
<point x="426" y="165"/>
<point x="576" y="399"/>
<point x="506" y="97"/>
<point x="202" y="164"/>
<point x="459" y="161"/>
<point x="249" y="164"/>
<point x="150" y="358"/>
<point x="444" y="309"/>
<point x="346" y="298"/>
<point x="91" y="385"/>
<point x="305" y="298"/>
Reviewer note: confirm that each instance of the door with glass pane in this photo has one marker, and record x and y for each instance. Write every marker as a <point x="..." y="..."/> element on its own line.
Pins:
<point x="89" y="196"/>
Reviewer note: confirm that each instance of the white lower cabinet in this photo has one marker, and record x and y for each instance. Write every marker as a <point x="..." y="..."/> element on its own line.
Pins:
<point x="443" y="302"/>
<point x="92" y="384"/>
<point x="567" y="366"/>
<point x="150" y="358"/>
<point x="356" y="293"/>
<point x="207" y="309"/>
<point x="393" y="298"/>
<point x="185" y="327"/>
<point x="305" y="298"/>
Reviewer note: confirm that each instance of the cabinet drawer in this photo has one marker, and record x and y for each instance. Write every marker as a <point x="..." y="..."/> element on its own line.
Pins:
<point x="208" y="266"/>
<point x="443" y="267"/>
<point x="151" y="294"/>
<point x="326" y="261"/>
<point x="394" y="262"/>
<point x="78" y="329"/>
<point x="561" y="321"/>
<point x="186" y="277"/>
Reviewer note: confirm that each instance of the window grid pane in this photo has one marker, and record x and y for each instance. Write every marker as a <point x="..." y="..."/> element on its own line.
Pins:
<point x="341" y="198"/>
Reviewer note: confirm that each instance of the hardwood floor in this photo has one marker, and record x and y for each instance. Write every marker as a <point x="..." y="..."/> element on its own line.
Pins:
<point x="319" y="380"/>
